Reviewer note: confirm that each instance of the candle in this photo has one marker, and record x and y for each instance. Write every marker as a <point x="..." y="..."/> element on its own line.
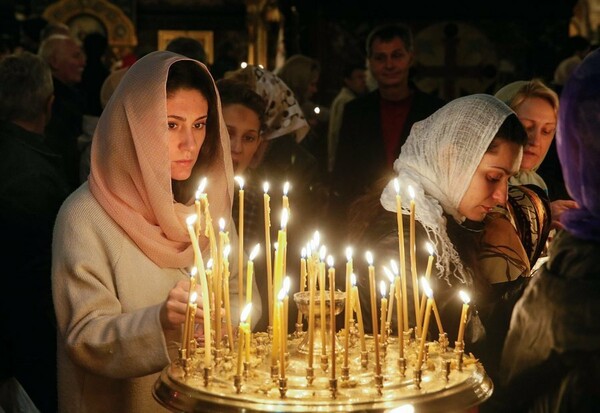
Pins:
<point x="282" y="335"/>
<point x="240" y="182"/>
<point x="400" y="321"/>
<point x="210" y="281"/>
<point x="322" y="301"/>
<point x="359" y="318"/>
<point x="226" y="274"/>
<point x="243" y="331"/>
<point x="427" y="276"/>
<point x="279" y="254"/>
<point x="198" y="209"/>
<point x="413" y="259"/>
<point x="463" y="315"/>
<point x="369" y="257"/>
<point x="348" y="307"/>
<point x="218" y="283"/>
<point x="267" y="214"/>
<point x="276" y="340"/>
<point x="401" y="252"/>
<point x="191" y="325"/>
<point x="311" y="317"/>
<point x="382" y="289"/>
<point x="302" y="280"/>
<point x="204" y="286"/>
<point x="332" y="312"/>
<point x="390" y="308"/>
<point x="186" y="328"/>
<point x="250" y="273"/>
<point x="429" y="294"/>
<point x="285" y="201"/>
<point x="209" y="231"/>
<point x="286" y="303"/>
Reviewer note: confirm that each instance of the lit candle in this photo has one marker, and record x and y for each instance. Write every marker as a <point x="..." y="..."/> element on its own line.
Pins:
<point x="282" y="335"/>
<point x="218" y="280"/>
<point x="322" y="301"/>
<point x="302" y="280"/>
<point x="279" y="254"/>
<point x="240" y="182"/>
<point x="401" y="252"/>
<point x="429" y="294"/>
<point x="463" y="315"/>
<point x="311" y="317"/>
<point x="198" y="209"/>
<point x="210" y="281"/>
<point x="204" y="286"/>
<point x="186" y="325"/>
<point x="226" y="301"/>
<point x="332" y="312"/>
<point x="286" y="303"/>
<point x="209" y="231"/>
<point x="285" y="201"/>
<point x="384" y="304"/>
<point x="243" y="332"/>
<point x="413" y="259"/>
<point x="250" y="273"/>
<point x="267" y="214"/>
<point x="369" y="257"/>
<point x="399" y="310"/>
<point x="348" y="309"/>
<point x="191" y="326"/>
<point x="359" y="318"/>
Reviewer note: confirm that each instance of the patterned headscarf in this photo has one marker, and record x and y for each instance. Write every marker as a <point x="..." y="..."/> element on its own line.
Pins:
<point x="284" y="115"/>
<point x="438" y="161"/>
<point x="130" y="168"/>
<point x="578" y="143"/>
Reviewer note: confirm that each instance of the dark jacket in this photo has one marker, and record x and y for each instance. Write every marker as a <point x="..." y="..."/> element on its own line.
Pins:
<point x="32" y="188"/>
<point x="551" y="357"/>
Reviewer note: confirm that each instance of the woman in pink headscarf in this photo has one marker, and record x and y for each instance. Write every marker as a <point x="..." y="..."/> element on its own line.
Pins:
<point x="121" y="252"/>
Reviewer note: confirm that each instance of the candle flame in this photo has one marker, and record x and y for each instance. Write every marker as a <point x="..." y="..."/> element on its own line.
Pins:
<point x="266" y="187"/>
<point x="309" y="249"/>
<point x="394" y="267"/>
<point x="353" y="279"/>
<point x="411" y="192"/>
<point x="191" y="220"/>
<point x="285" y="214"/>
<point x="316" y="239"/>
<point x="226" y="250"/>
<point x="282" y="294"/>
<point x="464" y="296"/>
<point x="426" y="287"/>
<point x="209" y="264"/>
<point x="286" y="188"/>
<point x="349" y="253"/>
<point x="330" y="260"/>
<point x="388" y="273"/>
<point x="245" y="312"/>
<point x="322" y="252"/>
<point x="193" y="297"/>
<point x="222" y="224"/>
<point x="382" y="288"/>
<point x="240" y="181"/>
<point x="193" y="272"/>
<point x="254" y="252"/>
<point x="429" y="248"/>
<point x="397" y="186"/>
<point x="369" y="257"/>
<point x="303" y="253"/>
<point x="287" y="283"/>
<point x="202" y="185"/>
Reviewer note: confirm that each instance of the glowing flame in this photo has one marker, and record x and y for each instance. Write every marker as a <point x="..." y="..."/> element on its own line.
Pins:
<point x="254" y="252"/>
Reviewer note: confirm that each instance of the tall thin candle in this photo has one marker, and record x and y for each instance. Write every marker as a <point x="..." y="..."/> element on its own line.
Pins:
<point x="240" y="182"/>
<point x="218" y="280"/>
<point x="332" y="313"/>
<point x="302" y="281"/>
<point x="359" y="317"/>
<point x="401" y="252"/>
<point x="413" y="259"/>
<point x="279" y="254"/>
<point x="429" y="294"/>
<point x="390" y="308"/>
<point x="226" y="274"/>
<point x="282" y="335"/>
<point x="348" y="307"/>
<point x="311" y="317"/>
<point x="463" y="315"/>
<point x="267" y="215"/>
<point x="249" y="282"/>
<point x="384" y="304"/>
<point x="400" y="321"/>
<point x="323" y="314"/>
<point x="369" y="257"/>
<point x="243" y="332"/>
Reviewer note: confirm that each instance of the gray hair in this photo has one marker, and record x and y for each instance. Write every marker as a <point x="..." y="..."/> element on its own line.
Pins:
<point x="50" y="46"/>
<point x="25" y="87"/>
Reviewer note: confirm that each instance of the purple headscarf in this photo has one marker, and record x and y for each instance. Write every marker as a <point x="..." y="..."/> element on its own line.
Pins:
<point x="578" y="143"/>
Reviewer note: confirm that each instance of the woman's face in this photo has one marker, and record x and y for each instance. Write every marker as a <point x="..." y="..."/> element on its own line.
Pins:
<point x="538" y="118"/>
<point x="489" y="184"/>
<point x="187" y="111"/>
<point x="243" y="125"/>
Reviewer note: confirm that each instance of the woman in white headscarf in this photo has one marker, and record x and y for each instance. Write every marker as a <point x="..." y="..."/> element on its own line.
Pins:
<point x="458" y="162"/>
<point x="121" y="249"/>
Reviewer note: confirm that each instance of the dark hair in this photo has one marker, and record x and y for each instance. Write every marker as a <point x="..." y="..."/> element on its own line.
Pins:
<point x="234" y="91"/>
<point x="511" y="130"/>
<point x="349" y="68"/>
<point x="388" y="32"/>
<point x="188" y="47"/>
<point x="188" y="75"/>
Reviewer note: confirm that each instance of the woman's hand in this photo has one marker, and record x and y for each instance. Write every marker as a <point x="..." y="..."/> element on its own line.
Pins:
<point x="557" y="208"/>
<point x="172" y="312"/>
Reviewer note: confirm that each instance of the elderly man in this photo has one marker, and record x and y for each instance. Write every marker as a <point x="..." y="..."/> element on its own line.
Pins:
<point x="67" y="61"/>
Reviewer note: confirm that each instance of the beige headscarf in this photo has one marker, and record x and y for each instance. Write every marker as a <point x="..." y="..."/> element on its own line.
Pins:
<point x="130" y="168"/>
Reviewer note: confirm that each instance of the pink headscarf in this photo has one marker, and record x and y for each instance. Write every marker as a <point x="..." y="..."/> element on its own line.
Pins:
<point x="130" y="168"/>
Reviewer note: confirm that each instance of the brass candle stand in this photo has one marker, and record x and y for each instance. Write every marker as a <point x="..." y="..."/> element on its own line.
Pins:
<point x="444" y="382"/>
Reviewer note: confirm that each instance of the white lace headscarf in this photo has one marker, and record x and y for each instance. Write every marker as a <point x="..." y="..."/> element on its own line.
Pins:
<point x="438" y="161"/>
